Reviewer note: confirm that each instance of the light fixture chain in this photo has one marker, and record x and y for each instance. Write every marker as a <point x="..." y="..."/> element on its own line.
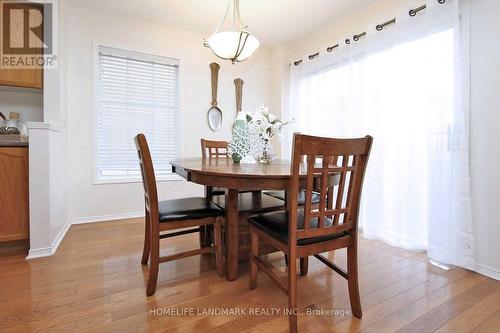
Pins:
<point x="237" y="15"/>
<point x="223" y="18"/>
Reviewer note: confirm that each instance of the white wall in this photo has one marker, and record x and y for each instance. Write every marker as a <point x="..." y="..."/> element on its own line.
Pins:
<point x="485" y="126"/>
<point x="28" y="102"/>
<point x="485" y="106"/>
<point x="48" y="163"/>
<point x="48" y="194"/>
<point x="39" y="169"/>
<point x="88" y="27"/>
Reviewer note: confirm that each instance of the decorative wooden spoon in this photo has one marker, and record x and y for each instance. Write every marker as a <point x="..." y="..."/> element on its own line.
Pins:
<point x="214" y="115"/>
<point x="238" y="83"/>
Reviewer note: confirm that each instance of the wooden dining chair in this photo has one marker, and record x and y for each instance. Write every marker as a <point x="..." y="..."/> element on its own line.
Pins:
<point x="249" y="202"/>
<point x="304" y="231"/>
<point x="214" y="150"/>
<point x="301" y="200"/>
<point x="189" y="214"/>
<point x="333" y="180"/>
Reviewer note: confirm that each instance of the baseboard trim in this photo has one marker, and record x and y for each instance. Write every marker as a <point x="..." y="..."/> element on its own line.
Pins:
<point x="49" y="251"/>
<point x="110" y="217"/>
<point x="488" y="271"/>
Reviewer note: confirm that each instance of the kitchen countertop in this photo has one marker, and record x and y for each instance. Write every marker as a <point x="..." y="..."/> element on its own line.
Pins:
<point x="13" y="144"/>
<point x="13" y="140"/>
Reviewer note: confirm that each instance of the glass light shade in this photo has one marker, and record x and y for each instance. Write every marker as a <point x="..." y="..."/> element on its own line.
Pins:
<point x="225" y="45"/>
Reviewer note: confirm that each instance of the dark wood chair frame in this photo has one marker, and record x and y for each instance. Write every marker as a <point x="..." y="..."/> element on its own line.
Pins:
<point x="154" y="229"/>
<point x="354" y="154"/>
<point x="214" y="149"/>
<point x="211" y="149"/>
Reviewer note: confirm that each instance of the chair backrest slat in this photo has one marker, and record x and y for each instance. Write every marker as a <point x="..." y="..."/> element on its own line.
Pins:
<point x="148" y="174"/>
<point x="309" y="187"/>
<point x="326" y="161"/>
<point x="354" y="190"/>
<point x="214" y="149"/>
<point x="342" y="208"/>
<point x="340" y="190"/>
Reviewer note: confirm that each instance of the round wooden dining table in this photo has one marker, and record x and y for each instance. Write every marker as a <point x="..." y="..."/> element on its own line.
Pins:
<point x="234" y="177"/>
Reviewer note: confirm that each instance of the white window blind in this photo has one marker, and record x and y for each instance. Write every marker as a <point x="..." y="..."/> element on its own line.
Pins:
<point x="136" y="93"/>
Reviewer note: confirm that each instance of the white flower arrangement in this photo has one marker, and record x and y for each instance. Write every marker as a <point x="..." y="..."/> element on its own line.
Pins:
<point x="253" y="141"/>
<point x="266" y="126"/>
<point x="268" y="123"/>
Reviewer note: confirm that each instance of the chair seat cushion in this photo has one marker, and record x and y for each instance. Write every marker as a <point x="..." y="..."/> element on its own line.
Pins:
<point x="187" y="209"/>
<point x="301" y="199"/>
<point x="275" y="224"/>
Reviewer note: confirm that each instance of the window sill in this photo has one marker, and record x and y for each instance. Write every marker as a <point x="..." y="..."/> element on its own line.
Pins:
<point x="110" y="180"/>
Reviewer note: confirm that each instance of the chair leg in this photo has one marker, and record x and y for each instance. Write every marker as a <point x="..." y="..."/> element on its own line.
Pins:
<point x="205" y="239"/>
<point x="147" y="239"/>
<point x="154" y="264"/>
<point x="218" y="247"/>
<point x="352" y="280"/>
<point x="210" y="239"/>
<point x="254" y="251"/>
<point x="292" y="293"/>
<point x="203" y="236"/>
<point x="304" y="266"/>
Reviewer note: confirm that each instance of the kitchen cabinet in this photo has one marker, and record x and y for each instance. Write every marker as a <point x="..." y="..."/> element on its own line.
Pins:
<point x="28" y="78"/>
<point x="14" y="203"/>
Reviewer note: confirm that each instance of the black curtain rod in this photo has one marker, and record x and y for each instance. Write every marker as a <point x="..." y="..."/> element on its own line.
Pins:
<point x="312" y="56"/>
<point x="414" y="12"/>
<point x="358" y="36"/>
<point x="331" y="48"/>
<point x="379" y="27"/>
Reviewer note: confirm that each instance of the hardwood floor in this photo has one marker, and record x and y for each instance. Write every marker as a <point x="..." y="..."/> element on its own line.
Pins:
<point x="95" y="283"/>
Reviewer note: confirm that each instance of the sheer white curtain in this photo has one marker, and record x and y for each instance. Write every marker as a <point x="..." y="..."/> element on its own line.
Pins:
<point x="405" y="86"/>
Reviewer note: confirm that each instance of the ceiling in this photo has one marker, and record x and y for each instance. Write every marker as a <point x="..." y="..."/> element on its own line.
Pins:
<point x="271" y="21"/>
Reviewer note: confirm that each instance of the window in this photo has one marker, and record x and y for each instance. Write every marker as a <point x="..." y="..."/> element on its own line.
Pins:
<point x="404" y="96"/>
<point x="136" y="93"/>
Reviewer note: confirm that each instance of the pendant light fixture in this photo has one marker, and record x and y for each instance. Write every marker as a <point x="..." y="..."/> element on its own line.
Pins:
<point x="236" y="45"/>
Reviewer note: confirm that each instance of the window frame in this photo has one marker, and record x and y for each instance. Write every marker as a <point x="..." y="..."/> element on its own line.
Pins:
<point x="96" y="179"/>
